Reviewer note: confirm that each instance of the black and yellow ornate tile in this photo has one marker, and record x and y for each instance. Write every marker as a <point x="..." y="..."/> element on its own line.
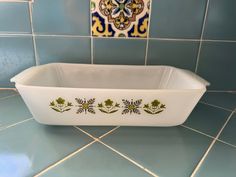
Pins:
<point x="120" y="18"/>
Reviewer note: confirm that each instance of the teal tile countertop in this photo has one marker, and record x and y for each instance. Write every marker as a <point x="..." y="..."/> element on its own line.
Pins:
<point x="204" y="146"/>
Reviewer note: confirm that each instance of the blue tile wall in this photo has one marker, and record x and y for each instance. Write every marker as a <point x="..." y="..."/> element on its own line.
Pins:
<point x="189" y="34"/>
<point x="63" y="49"/>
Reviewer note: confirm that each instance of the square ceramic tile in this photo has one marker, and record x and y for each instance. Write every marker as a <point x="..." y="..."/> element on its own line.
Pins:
<point x="9" y="117"/>
<point x="166" y="151"/>
<point x="220" y="162"/>
<point x="119" y="51"/>
<point x="207" y="119"/>
<point x="224" y="100"/>
<point x="221" y="23"/>
<point x="229" y="132"/>
<point x="14" y="17"/>
<point x="63" y="49"/>
<point x="217" y="65"/>
<point x="180" y="54"/>
<point x="16" y="54"/>
<point x="61" y="17"/>
<point x="120" y="18"/>
<point x="31" y="147"/>
<point x="96" y="161"/>
<point x="177" y="19"/>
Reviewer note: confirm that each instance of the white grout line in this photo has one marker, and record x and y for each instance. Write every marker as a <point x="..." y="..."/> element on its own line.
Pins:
<point x="218" y="40"/>
<point x="15" y="1"/>
<point x="201" y="37"/>
<point x="224" y="142"/>
<point x="209" y="136"/>
<point x="129" y="159"/>
<point x="105" y="134"/>
<point x="222" y="91"/>
<point x="60" y="35"/>
<point x="176" y="39"/>
<point x="2" y="98"/>
<point x="210" y="147"/>
<point x="33" y="35"/>
<point x="64" y="159"/>
<point x="13" y="125"/>
<point x="148" y="32"/>
<point x="91" y="34"/>
<point x="212" y="105"/>
<point x="6" y="34"/>
<point x="6" y="88"/>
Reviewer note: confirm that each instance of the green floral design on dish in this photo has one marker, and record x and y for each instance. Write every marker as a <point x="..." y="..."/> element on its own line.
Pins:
<point x="108" y="106"/>
<point x="85" y="105"/>
<point x="60" y="105"/>
<point x="131" y="106"/>
<point x="155" y="107"/>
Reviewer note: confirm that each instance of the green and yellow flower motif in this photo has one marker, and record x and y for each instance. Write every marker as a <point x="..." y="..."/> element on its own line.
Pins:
<point x="131" y="106"/>
<point x="60" y="105"/>
<point x="155" y="107"/>
<point x="108" y="106"/>
<point x="85" y="105"/>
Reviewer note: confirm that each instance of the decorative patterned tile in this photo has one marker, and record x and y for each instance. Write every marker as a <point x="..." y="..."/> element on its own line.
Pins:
<point x="31" y="147"/>
<point x="207" y="119"/>
<point x="221" y="161"/>
<point x="96" y="161"/>
<point x="183" y="53"/>
<point x="14" y="17"/>
<point x="121" y="51"/>
<point x="166" y="151"/>
<point x="229" y="132"/>
<point x="224" y="100"/>
<point x="20" y="113"/>
<point x="63" y="49"/>
<point x="120" y="18"/>
<point x="96" y="131"/>
<point x="16" y="54"/>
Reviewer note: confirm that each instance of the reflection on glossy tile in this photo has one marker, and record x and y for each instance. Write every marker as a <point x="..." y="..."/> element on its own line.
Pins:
<point x="119" y="51"/>
<point x="61" y="17"/>
<point x="96" y="161"/>
<point x="13" y="110"/>
<point x="222" y="56"/>
<point x="120" y="18"/>
<point x="6" y="93"/>
<point x="177" y="19"/>
<point x="174" y="53"/>
<point x="229" y="132"/>
<point x="63" y="49"/>
<point x="96" y="131"/>
<point x="224" y="100"/>
<point x="221" y="161"/>
<point x="166" y="151"/>
<point x="30" y="147"/>
<point x="207" y="119"/>
<point x="221" y="23"/>
<point x="14" y="17"/>
<point x="16" y="54"/>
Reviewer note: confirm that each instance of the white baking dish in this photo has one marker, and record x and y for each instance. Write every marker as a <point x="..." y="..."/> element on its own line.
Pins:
<point x="81" y="94"/>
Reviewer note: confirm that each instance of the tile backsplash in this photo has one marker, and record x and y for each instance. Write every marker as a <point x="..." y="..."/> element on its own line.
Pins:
<point x="199" y="35"/>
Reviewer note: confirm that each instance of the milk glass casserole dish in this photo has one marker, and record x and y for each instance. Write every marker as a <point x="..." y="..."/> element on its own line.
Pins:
<point x="84" y="94"/>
